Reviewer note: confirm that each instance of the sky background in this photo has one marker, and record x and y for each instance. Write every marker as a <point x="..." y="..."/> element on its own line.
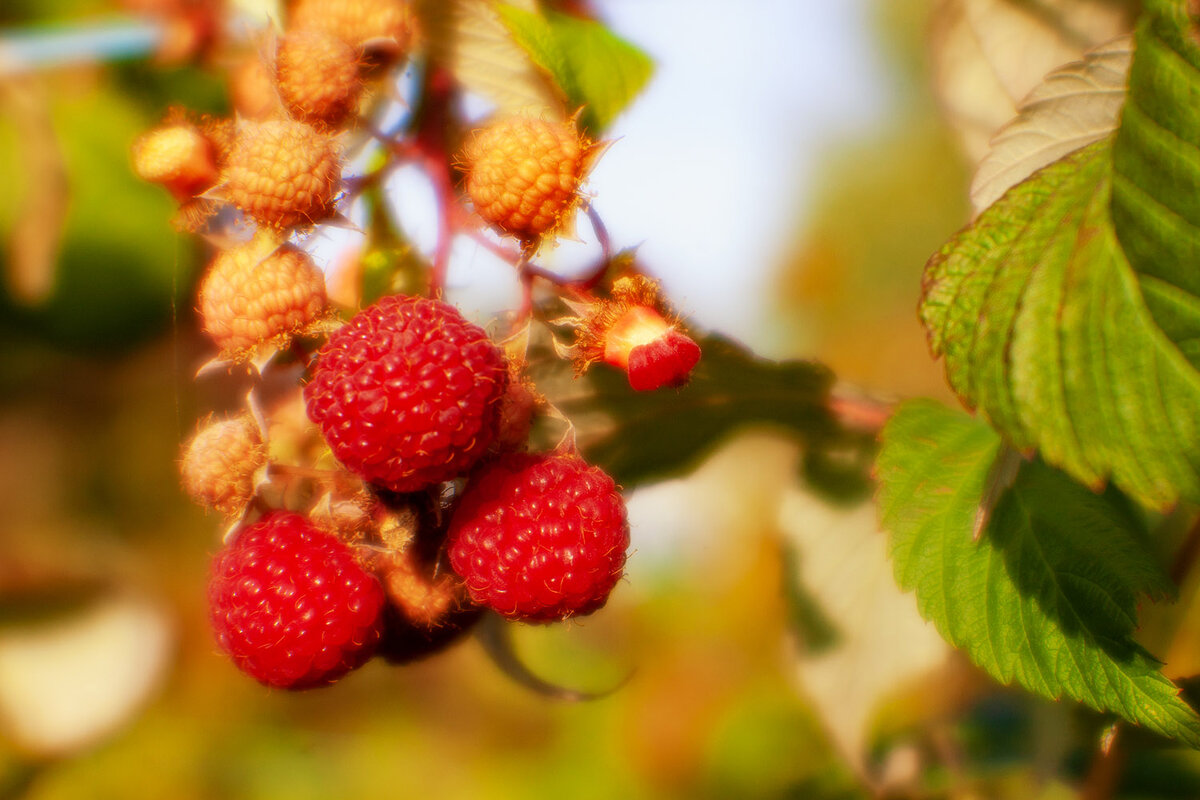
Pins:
<point x="711" y="165"/>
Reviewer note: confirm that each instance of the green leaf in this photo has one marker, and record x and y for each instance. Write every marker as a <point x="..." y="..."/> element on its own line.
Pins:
<point x="1044" y="330"/>
<point x="1156" y="165"/>
<point x="1046" y="599"/>
<point x="640" y="436"/>
<point x="595" y="69"/>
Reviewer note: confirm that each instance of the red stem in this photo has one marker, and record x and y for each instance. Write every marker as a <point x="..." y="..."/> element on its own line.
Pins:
<point x="860" y="413"/>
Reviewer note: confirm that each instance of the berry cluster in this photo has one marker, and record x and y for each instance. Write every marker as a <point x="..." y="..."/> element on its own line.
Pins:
<point x="381" y="487"/>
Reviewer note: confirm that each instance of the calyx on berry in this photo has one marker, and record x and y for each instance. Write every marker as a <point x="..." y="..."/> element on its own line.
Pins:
<point x="634" y="332"/>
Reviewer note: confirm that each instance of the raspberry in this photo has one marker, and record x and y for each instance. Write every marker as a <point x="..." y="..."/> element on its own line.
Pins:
<point x="252" y="90"/>
<point x="220" y="461"/>
<point x="356" y="22"/>
<point x="408" y="393"/>
<point x="253" y="295"/>
<point x="523" y="174"/>
<point x="282" y="173"/>
<point x="177" y="155"/>
<point x="429" y="606"/>
<point x="650" y="350"/>
<point x="539" y="537"/>
<point x="317" y="77"/>
<point x="631" y="332"/>
<point x="291" y="605"/>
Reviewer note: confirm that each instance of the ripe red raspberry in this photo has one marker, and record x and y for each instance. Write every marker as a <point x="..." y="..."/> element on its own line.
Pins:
<point x="523" y="174"/>
<point x="650" y="349"/>
<point x="408" y="393"/>
<point x="258" y="293"/>
<point x="290" y="604"/>
<point x="633" y="332"/>
<point x="317" y="76"/>
<point x="282" y="173"/>
<point x="539" y="537"/>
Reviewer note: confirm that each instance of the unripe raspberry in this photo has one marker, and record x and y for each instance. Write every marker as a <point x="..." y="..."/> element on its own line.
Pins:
<point x="179" y="156"/>
<point x="539" y="537"/>
<point x="282" y="173"/>
<point x="317" y="76"/>
<point x="255" y="294"/>
<point x="523" y="174"/>
<point x="428" y="605"/>
<point x="252" y="90"/>
<point x="407" y="394"/>
<point x="356" y="22"/>
<point x="220" y="461"/>
<point x="291" y="605"/>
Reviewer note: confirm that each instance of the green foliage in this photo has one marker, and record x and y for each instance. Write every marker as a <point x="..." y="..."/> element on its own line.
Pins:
<point x="1156" y="165"/>
<point x="120" y="266"/>
<point x="1046" y="599"/>
<point x="1037" y="309"/>
<point x="640" y="436"/>
<point x="1038" y="315"/>
<point x="595" y="69"/>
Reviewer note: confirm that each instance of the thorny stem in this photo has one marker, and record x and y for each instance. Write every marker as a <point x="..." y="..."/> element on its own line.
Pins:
<point x="497" y="249"/>
<point x="431" y="147"/>
<point x="601" y="231"/>
<point x="858" y="411"/>
<point x="526" y="278"/>
<point x="1104" y="774"/>
<point x="428" y="148"/>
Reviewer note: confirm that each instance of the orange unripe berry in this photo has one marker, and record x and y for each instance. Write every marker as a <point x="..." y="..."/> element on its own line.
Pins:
<point x="428" y="604"/>
<point x="220" y="461"/>
<point x="283" y="173"/>
<point x="317" y="76"/>
<point x="252" y="90"/>
<point x="356" y="21"/>
<point x="254" y="295"/>
<point x="523" y="174"/>
<point x="179" y="157"/>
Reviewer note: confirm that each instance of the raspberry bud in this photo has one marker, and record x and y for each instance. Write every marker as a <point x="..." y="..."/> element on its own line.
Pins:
<point x="407" y="394"/>
<point x="523" y="174"/>
<point x="291" y="605"/>
<point x="220" y="461"/>
<point x="179" y="156"/>
<point x="539" y="537"/>
<point x="282" y="173"/>
<point x="254" y="295"/>
<point x="317" y="76"/>
<point x="357" y="22"/>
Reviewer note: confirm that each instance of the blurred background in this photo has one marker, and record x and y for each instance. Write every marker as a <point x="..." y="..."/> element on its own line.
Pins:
<point x="787" y="172"/>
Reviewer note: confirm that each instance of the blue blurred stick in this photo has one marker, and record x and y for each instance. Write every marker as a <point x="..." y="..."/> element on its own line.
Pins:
<point x="112" y="39"/>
